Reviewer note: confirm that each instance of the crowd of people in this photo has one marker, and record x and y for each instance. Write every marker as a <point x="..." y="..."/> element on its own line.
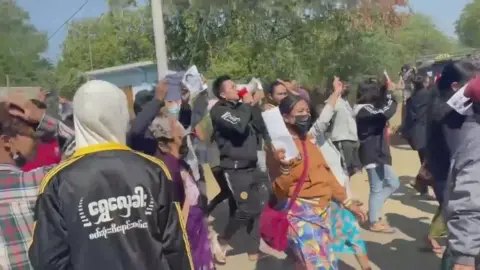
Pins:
<point x="98" y="189"/>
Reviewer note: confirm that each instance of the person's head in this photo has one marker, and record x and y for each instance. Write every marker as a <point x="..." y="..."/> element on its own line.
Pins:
<point x="405" y="68"/>
<point x="172" y="108"/>
<point x="372" y="92"/>
<point x="225" y="88"/>
<point x="170" y="136"/>
<point x="142" y="98"/>
<point x="276" y="92"/>
<point x="100" y="114"/>
<point x="290" y="84"/>
<point x="420" y="81"/>
<point x="18" y="143"/>
<point x="296" y="114"/>
<point x="455" y="75"/>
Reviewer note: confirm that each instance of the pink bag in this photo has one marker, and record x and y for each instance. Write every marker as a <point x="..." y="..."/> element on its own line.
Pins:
<point x="274" y="223"/>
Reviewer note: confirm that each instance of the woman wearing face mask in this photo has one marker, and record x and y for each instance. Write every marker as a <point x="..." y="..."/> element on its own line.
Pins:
<point x="309" y="236"/>
<point x="172" y="148"/>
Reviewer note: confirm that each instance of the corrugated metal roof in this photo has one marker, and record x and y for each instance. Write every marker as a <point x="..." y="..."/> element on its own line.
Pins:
<point x="123" y="68"/>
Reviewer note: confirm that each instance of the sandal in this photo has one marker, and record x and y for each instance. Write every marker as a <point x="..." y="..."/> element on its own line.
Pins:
<point x="382" y="228"/>
<point x="357" y="202"/>
<point x="257" y="256"/>
<point x="219" y="253"/>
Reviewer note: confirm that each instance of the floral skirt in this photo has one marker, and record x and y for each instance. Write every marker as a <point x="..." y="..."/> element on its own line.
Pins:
<point x="309" y="236"/>
<point x="345" y="231"/>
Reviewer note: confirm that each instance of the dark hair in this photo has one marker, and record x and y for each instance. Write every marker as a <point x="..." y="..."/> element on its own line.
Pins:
<point x="372" y="93"/>
<point x="455" y="71"/>
<point x="272" y="86"/>
<point x="287" y="104"/>
<point x="38" y="103"/>
<point x="12" y="126"/>
<point x="419" y="82"/>
<point x="217" y="84"/>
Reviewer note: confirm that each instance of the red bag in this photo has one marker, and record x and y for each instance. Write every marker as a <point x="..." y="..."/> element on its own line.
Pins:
<point x="274" y="223"/>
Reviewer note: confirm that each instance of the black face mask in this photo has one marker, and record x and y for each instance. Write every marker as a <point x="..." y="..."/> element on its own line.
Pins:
<point x="183" y="149"/>
<point x="20" y="159"/>
<point x="302" y="124"/>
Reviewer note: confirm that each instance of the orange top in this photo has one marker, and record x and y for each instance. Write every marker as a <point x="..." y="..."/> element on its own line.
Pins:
<point x="320" y="183"/>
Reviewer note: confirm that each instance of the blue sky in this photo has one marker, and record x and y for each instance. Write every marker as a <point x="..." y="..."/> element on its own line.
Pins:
<point x="48" y="15"/>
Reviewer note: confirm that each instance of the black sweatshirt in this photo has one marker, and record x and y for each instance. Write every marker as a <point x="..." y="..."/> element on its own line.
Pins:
<point x="371" y="123"/>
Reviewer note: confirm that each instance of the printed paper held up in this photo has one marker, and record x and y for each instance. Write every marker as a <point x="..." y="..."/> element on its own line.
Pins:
<point x="281" y="138"/>
<point x="460" y="103"/>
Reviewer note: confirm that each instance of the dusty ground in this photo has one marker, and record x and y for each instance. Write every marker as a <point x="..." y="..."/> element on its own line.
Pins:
<point x="399" y="251"/>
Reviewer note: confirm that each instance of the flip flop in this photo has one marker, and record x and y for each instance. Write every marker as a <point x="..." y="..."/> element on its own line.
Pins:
<point x="357" y="202"/>
<point x="257" y="257"/>
<point x="219" y="254"/>
<point x="385" y="229"/>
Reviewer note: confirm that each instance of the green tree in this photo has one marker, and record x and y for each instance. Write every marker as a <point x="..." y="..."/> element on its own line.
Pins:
<point x="20" y="49"/>
<point x="307" y="40"/>
<point x="105" y="42"/>
<point x="467" y="26"/>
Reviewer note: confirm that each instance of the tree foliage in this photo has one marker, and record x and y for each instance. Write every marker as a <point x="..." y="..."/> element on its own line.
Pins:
<point x="21" y="46"/>
<point x="302" y="39"/>
<point x="467" y="27"/>
<point x="104" y="42"/>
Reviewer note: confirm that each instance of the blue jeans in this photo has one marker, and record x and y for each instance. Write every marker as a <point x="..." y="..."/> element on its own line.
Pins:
<point x="383" y="182"/>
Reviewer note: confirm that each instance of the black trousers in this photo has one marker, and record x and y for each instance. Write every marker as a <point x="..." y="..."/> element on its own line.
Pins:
<point x="225" y="193"/>
<point x="251" y="194"/>
<point x="422" y="153"/>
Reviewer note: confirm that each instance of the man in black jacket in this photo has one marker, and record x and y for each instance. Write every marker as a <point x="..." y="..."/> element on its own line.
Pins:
<point x="238" y="128"/>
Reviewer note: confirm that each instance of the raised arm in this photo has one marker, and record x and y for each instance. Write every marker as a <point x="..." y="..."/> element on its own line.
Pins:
<point x="323" y="122"/>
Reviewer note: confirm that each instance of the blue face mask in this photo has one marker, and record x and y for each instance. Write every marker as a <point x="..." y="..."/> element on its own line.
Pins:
<point x="174" y="110"/>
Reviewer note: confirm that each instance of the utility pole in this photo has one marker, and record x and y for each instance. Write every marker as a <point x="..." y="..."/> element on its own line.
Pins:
<point x="90" y="49"/>
<point x="159" y="32"/>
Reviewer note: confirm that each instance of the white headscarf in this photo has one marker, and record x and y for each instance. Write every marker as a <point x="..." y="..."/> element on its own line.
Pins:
<point x="100" y="114"/>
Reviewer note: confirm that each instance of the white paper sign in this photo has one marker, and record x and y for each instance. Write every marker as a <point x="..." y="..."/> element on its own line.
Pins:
<point x="281" y="138"/>
<point x="193" y="81"/>
<point x="460" y="103"/>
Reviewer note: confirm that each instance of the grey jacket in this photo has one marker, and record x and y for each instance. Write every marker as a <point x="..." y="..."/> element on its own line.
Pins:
<point x="343" y="126"/>
<point x="462" y="196"/>
<point x="328" y="150"/>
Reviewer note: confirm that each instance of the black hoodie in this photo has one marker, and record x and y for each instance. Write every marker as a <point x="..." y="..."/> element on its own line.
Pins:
<point x="443" y="127"/>
<point x="238" y="128"/>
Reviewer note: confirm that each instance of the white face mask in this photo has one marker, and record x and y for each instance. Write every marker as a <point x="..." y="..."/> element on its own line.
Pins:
<point x="204" y="86"/>
<point x="174" y="109"/>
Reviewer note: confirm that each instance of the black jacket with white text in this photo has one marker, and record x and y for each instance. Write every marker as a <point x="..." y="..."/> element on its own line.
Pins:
<point x="238" y="129"/>
<point x="109" y="208"/>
